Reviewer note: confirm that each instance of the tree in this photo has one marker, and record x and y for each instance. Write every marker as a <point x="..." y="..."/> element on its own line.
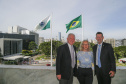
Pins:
<point x="120" y="52"/>
<point x="91" y="45"/>
<point x="32" y="45"/>
<point x="77" y="45"/>
<point x="55" y="45"/>
<point x="46" y="47"/>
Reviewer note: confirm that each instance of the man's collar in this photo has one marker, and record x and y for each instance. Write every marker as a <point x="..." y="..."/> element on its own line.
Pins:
<point x="69" y="44"/>
<point x="100" y="44"/>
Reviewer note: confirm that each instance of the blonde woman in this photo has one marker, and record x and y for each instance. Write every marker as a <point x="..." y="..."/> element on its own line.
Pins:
<point x="85" y="57"/>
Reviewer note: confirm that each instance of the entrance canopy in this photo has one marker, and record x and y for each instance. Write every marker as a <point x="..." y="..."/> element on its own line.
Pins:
<point x="15" y="56"/>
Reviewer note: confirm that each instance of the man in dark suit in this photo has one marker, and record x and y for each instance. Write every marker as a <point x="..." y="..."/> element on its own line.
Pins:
<point x="66" y="61"/>
<point x="104" y="60"/>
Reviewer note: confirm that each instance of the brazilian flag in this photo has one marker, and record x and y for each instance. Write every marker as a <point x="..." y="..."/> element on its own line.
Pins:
<point x="75" y="23"/>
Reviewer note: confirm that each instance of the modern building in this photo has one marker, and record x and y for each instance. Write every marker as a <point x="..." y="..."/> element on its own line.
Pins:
<point x="41" y="40"/>
<point x="111" y="41"/>
<point x="77" y="40"/>
<point x="24" y="31"/>
<point x="16" y="39"/>
<point x="27" y="32"/>
<point x="63" y="40"/>
<point x="47" y="40"/>
<point x="123" y="42"/>
<point x="118" y="43"/>
<point x="59" y="36"/>
<point x="15" y="29"/>
<point x="91" y="41"/>
<point x="94" y="41"/>
<point x="14" y="43"/>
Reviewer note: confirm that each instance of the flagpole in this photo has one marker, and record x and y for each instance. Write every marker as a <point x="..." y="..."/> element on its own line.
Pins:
<point x="82" y="28"/>
<point x="51" y="39"/>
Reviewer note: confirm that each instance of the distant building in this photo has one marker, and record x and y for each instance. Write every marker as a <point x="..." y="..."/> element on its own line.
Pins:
<point x="56" y="39"/>
<point x="111" y="41"/>
<point x="53" y="39"/>
<point x="47" y="40"/>
<point x="91" y="41"/>
<point x="15" y="29"/>
<point x="94" y="41"/>
<point x="21" y="30"/>
<point x="59" y="36"/>
<point x="63" y="40"/>
<point x="27" y="32"/>
<point x="77" y="40"/>
<point x="41" y="40"/>
<point x="14" y="43"/>
<point x="123" y="42"/>
<point x="118" y="43"/>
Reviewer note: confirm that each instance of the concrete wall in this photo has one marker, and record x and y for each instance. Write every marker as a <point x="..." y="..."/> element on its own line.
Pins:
<point x="44" y="76"/>
<point x="1" y="46"/>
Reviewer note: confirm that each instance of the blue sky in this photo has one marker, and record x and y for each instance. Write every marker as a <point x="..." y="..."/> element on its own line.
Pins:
<point x="107" y="16"/>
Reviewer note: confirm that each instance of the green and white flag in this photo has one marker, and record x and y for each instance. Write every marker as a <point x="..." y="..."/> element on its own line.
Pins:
<point x="44" y="24"/>
<point x="75" y="23"/>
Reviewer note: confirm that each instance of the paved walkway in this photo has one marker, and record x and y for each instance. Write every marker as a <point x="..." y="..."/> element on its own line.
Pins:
<point x="42" y="62"/>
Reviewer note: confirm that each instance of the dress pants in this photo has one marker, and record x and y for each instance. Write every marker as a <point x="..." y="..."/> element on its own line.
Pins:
<point x="85" y="75"/>
<point x="102" y="78"/>
<point x="70" y="81"/>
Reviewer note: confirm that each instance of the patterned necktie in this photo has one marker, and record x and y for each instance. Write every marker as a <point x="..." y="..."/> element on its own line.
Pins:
<point x="72" y="57"/>
<point x="99" y="52"/>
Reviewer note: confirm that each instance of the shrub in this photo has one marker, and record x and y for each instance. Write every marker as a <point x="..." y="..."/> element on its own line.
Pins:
<point x="29" y="52"/>
<point x="10" y="62"/>
<point x="41" y="57"/>
<point x="25" y="51"/>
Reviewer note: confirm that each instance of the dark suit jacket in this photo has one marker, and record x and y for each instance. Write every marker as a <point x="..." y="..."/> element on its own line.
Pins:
<point x="63" y="62"/>
<point x="107" y="58"/>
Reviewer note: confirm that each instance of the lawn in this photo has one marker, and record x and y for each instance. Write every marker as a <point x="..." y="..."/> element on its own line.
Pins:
<point x="120" y="64"/>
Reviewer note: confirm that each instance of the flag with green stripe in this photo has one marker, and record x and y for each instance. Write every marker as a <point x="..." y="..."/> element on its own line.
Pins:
<point x="44" y="24"/>
<point x="75" y="23"/>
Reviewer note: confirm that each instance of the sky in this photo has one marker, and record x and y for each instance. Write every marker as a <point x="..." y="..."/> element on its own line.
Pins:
<point x="107" y="16"/>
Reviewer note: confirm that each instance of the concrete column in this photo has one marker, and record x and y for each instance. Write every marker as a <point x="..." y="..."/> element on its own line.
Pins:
<point x="2" y="46"/>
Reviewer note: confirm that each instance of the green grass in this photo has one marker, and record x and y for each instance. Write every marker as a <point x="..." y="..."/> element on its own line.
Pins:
<point x="40" y="57"/>
<point x="120" y="64"/>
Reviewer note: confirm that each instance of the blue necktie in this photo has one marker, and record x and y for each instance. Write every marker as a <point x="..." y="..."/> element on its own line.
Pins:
<point x="99" y="52"/>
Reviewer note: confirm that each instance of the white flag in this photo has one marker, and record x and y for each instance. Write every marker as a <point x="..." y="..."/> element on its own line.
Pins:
<point x="44" y="24"/>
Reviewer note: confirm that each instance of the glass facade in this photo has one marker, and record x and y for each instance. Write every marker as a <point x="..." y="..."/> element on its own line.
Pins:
<point x="12" y="45"/>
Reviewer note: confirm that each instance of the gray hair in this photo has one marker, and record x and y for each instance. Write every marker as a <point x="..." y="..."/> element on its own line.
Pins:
<point x="70" y="34"/>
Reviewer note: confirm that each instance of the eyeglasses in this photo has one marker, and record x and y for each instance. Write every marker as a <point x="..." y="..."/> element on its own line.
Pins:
<point x="85" y="44"/>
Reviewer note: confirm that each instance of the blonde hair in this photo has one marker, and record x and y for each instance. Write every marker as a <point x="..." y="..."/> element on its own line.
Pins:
<point x="81" y="45"/>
